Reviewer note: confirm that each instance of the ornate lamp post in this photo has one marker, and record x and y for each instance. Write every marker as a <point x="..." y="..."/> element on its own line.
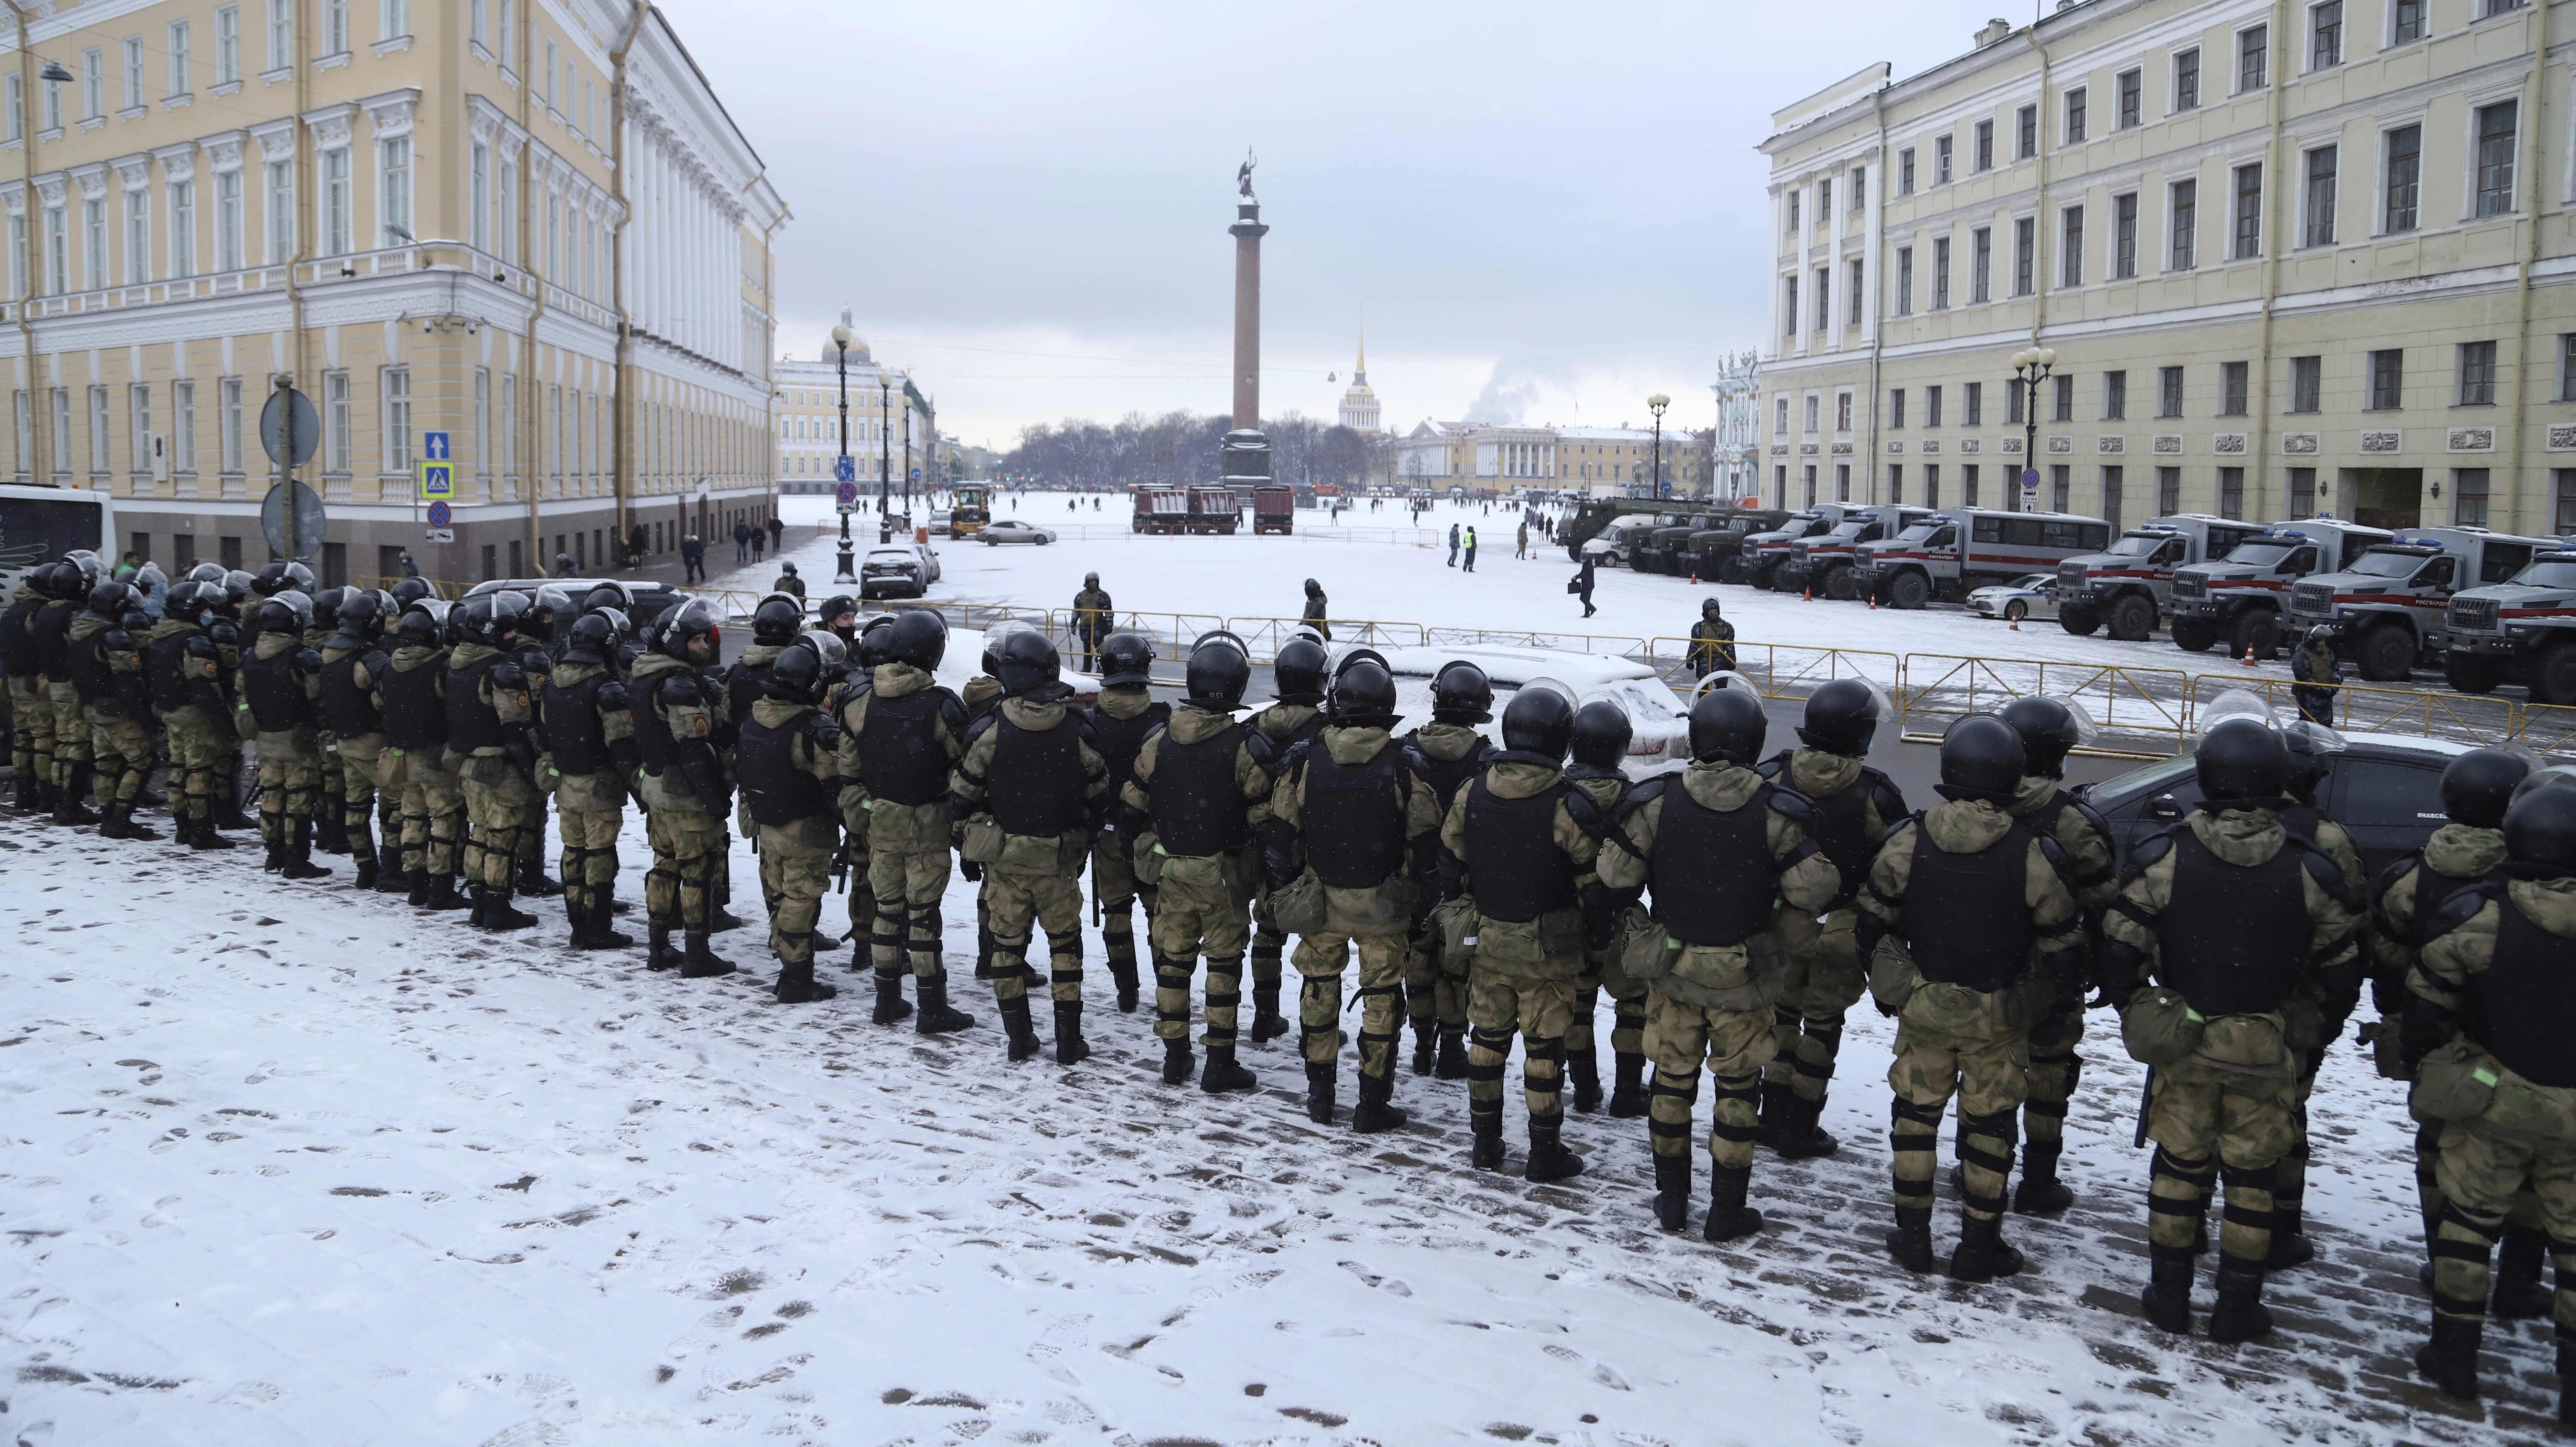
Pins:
<point x="2030" y="367"/>
<point x="1656" y="404"/>
<point x="847" y="572"/>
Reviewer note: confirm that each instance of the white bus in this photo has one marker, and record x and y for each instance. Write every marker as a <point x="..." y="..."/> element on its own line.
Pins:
<point x="40" y="524"/>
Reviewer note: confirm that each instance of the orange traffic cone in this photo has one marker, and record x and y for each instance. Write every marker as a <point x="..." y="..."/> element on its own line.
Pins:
<point x="1807" y="596"/>
<point x="1873" y="602"/>
<point x="2014" y="624"/>
<point x="2249" y="655"/>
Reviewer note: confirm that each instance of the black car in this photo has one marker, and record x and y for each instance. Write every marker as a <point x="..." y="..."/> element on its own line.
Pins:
<point x="2386" y="792"/>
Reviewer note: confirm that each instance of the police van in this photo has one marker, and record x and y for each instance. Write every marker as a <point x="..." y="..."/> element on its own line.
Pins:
<point x="2521" y="631"/>
<point x="2392" y="605"/>
<point x="40" y="524"/>
<point x="2126" y="587"/>
<point x="1948" y="554"/>
<point x="2241" y="597"/>
<point x="1823" y="563"/>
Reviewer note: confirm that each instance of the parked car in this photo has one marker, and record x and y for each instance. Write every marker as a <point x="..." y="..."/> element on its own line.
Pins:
<point x="2385" y="789"/>
<point x="1618" y="542"/>
<point x="1012" y="531"/>
<point x="2033" y="595"/>
<point x="906" y="569"/>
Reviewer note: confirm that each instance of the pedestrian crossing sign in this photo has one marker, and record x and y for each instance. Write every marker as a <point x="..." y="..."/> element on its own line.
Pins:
<point x="437" y="481"/>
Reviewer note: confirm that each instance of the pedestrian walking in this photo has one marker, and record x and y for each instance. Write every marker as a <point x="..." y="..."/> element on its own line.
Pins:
<point x="777" y="535"/>
<point x="1581" y="586"/>
<point x="1471" y="551"/>
<point x="759" y="543"/>
<point x="1520" y="545"/>
<point x="693" y="559"/>
<point x="1453" y="545"/>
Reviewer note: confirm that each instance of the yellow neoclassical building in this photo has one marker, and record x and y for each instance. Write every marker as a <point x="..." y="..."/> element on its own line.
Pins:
<point x="527" y="227"/>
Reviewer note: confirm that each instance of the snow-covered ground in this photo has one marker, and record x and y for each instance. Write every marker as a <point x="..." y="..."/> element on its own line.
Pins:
<point x="292" y="1164"/>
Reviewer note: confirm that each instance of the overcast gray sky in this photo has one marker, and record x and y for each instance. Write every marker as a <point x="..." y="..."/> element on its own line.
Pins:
<point x="1547" y="211"/>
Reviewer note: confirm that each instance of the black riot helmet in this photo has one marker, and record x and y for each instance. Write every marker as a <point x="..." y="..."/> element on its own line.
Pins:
<point x="112" y="599"/>
<point x="691" y="632"/>
<point x="359" y="618"/>
<point x="269" y="580"/>
<point x="870" y="650"/>
<point x="1091" y="580"/>
<point x="326" y="604"/>
<point x="1842" y="717"/>
<point x="1461" y="694"/>
<point x="2241" y="762"/>
<point x="2311" y="747"/>
<point x="288" y="612"/>
<point x="805" y="669"/>
<point x="189" y="601"/>
<point x="1030" y="666"/>
<point x="420" y="625"/>
<point x="1126" y="658"/>
<point x="1298" y="671"/>
<point x="919" y="637"/>
<point x="594" y="638"/>
<point x="1601" y="734"/>
<point x="206" y="573"/>
<point x="2540" y="834"/>
<point x="1218" y="672"/>
<point x="237" y="588"/>
<point x="1709" y="605"/>
<point x="1982" y="758"/>
<point x="2048" y="728"/>
<point x="505" y="619"/>
<point x="1729" y="724"/>
<point x="58" y="580"/>
<point x="777" y="620"/>
<point x="2478" y="785"/>
<point x="1539" y="721"/>
<point x="546" y="608"/>
<point x="410" y="590"/>
<point x="608" y="594"/>
<point x="1363" y="696"/>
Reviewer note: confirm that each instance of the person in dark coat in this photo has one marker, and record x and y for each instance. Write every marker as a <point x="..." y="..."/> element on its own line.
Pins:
<point x="2312" y="670"/>
<point x="693" y="560"/>
<point x="1583" y="586"/>
<point x="742" y="542"/>
<point x="777" y="535"/>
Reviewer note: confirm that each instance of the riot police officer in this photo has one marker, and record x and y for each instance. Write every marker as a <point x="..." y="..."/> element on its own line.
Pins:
<point x="107" y="677"/>
<point x="412" y="695"/>
<point x="1447" y="752"/>
<point x="679" y="715"/>
<point x="183" y="672"/>
<point x="788" y="757"/>
<point x="31" y="732"/>
<point x="1515" y="872"/>
<point x="1028" y="797"/>
<point x="2239" y="921"/>
<point x="1712" y="640"/>
<point x="1598" y="748"/>
<point x="1855" y="807"/>
<point x="1124" y="717"/>
<point x="1350" y="809"/>
<point x="280" y="683"/>
<point x="490" y="718"/>
<point x="330" y="833"/>
<point x="1296" y="716"/>
<point x="352" y="662"/>
<point x="591" y="757"/>
<point x="1199" y="791"/>
<point x="51" y="632"/>
<point x="774" y="625"/>
<point x="900" y="737"/>
<point x="1093" y="613"/>
<point x="1970" y="924"/>
<point x="858" y="675"/>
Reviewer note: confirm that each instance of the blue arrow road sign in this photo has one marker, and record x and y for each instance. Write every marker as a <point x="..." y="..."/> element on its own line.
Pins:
<point x="916" y="474"/>
<point x="845" y="469"/>
<point x="433" y="445"/>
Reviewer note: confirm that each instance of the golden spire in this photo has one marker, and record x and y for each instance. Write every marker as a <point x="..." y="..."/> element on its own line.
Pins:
<point x="1360" y="372"/>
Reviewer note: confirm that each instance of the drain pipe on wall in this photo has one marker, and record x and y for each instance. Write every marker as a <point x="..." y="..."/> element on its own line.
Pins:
<point x="39" y="412"/>
<point x="624" y="405"/>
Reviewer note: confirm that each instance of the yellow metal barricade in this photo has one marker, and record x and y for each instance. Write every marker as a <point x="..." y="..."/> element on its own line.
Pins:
<point x="1264" y="635"/>
<point x="2546" y="728"/>
<point x="1777" y="670"/>
<point x="1606" y="645"/>
<point x="2144" y="713"/>
<point x="2462" y="718"/>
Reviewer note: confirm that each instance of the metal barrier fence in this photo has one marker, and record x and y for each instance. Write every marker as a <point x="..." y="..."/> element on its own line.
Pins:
<point x="2133" y="706"/>
<point x="2361" y="709"/>
<point x="1606" y="644"/>
<point x="1776" y="670"/>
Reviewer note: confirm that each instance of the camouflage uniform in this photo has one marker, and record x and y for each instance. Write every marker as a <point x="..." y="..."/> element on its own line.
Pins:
<point x="2290" y="1175"/>
<point x="589" y="764"/>
<point x="31" y="712"/>
<point x="193" y="714"/>
<point x="501" y="799"/>
<point x="1031" y="878"/>
<point x="1712" y="645"/>
<point x="1203" y="901"/>
<point x="908" y="842"/>
<point x="433" y="807"/>
<point x="1602" y="971"/>
<point x="686" y="829"/>
<point x="1123" y="710"/>
<point x="1093" y="614"/>
<point x="981" y="695"/>
<point x="330" y="810"/>
<point x="1710" y="1003"/>
<point x="1435" y="988"/>
<point x="360" y="758"/>
<point x="1826" y="974"/>
<point x="2054" y="1065"/>
<point x="853" y="861"/>
<point x="107" y="670"/>
<point x="796" y="856"/>
<point x="70" y="731"/>
<point x="290" y="759"/>
<point x="1283" y="724"/>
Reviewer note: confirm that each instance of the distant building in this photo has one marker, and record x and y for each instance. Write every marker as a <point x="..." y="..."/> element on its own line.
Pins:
<point x="1359" y="404"/>
<point x="1492" y="457"/>
<point x="1736" y="451"/>
<point x="893" y="427"/>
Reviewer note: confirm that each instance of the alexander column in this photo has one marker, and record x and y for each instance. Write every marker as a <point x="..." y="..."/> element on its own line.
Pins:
<point x="1247" y="451"/>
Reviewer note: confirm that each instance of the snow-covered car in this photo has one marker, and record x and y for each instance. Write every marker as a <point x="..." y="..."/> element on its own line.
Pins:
<point x="2032" y="595"/>
<point x="1658" y="718"/>
<point x="1012" y="531"/>
<point x="965" y="652"/>
<point x="898" y="569"/>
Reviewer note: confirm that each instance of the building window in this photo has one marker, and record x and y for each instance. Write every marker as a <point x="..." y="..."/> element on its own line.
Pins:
<point x="2186" y="79"/>
<point x="22" y="278"/>
<point x="1941" y="161"/>
<point x="398" y="455"/>
<point x="133" y="72"/>
<point x="2253" y="57"/>
<point x="2061" y="487"/>
<point x="2013" y="391"/>
<point x="2132" y="98"/>
<point x="1905" y="172"/>
<point x="1779" y="418"/>
<point x="2406" y="21"/>
<point x="2325" y="35"/>
<point x="2387" y="380"/>
<point x="2405" y="147"/>
<point x="2070" y="259"/>
<point x="2231" y="493"/>
<point x="2185" y="208"/>
<point x="2469" y="497"/>
<point x="1813" y="402"/>
<point x="2113" y="479"/>
<point x="2567" y="367"/>
<point x="183" y="426"/>
<point x="1824" y="198"/>
<point x="2075" y="115"/>
<point x="1895" y="483"/>
<point x="1905" y="281"/>
<point x="506" y="232"/>
<point x="1824" y="305"/>
<point x="2477" y="374"/>
<point x="1811" y="484"/>
<point x="1981" y="260"/>
<point x="14" y="127"/>
<point x="393" y="155"/>
<point x="509" y="45"/>
<point x="479" y="201"/>
<point x="230" y="390"/>
<point x="53" y="106"/>
<point x="1984" y="155"/>
<point x="1794" y="197"/>
<point x="2124" y="236"/>
<point x="1931" y="406"/>
<point x="1842" y="411"/>
<point x="94" y="244"/>
<point x="2062" y="405"/>
<point x="1896" y="409"/>
<point x="101" y="426"/>
<point x="58" y="261"/>
<point x="2115" y="396"/>
<point x="2231" y="389"/>
<point x="1852" y="293"/>
<point x="1972" y="404"/>
<point x="281" y="212"/>
<point x="2303" y="491"/>
<point x="482" y="422"/>
<point x="1860" y="188"/>
<point x="138" y="237"/>
<point x="281" y="34"/>
<point x="228" y="221"/>
<point x="1788" y="305"/>
<point x="2307" y="379"/>
<point x="335" y="32"/>
<point x="1940" y="273"/>
<point x="228" y="45"/>
<point x="2564" y="479"/>
<point x="335" y="202"/>
<point x="138" y="421"/>
<point x="2168" y="491"/>
<point x="1931" y="486"/>
<point x="2320" y="227"/>
<point x="177" y="46"/>
<point x="2024" y="264"/>
<point x="2497" y="7"/>
<point x="2495" y="157"/>
<point x="335" y="422"/>
<point x="1968" y="485"/>
<point x="2249" y="212"/>
<point x="93" y="84"/>
<point x="394" y="17"/>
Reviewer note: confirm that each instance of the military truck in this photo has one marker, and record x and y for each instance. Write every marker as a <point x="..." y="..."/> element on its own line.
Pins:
<point x="2522" y="631"/>
<point x="1592" y="515"/>
<point x="2392" y="606"/>
<point x="1714" y="555"/>
<point x="1764" y="553"/>
<point x="1822" y="564"/>
<point x="2240" y="598"/>
<point x="2126" y="586"/>
<point x="1660" y="551"/>
<point x="1950" y="554"/>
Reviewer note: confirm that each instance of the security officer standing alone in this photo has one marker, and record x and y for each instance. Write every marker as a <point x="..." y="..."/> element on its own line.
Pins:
<point x="1298" y="675"/>
<point x="490" y="716"/>
<point x="1092" y="613"/>
<point x="1970" y="924"/>
<point x="590" y="758"/>
<point x="900" y="738"/>
<point x="1712" y="641"/>
<point x="2312" y="670"/>
<point x="1121" y="721"/>
<point x="280" y="683"/>
<point x="788" y="759"/>
<point x="678" y="714"/>
<point x="2240" y="922"/>
<point x="1446" y="752"/>
<point x="1313" y="616"/>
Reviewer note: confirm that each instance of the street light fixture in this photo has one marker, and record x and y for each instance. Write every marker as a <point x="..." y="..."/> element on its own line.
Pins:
<point x="2030" y="367"/>
<point x="1656" y="404"/>
<point x="847" y="571"/>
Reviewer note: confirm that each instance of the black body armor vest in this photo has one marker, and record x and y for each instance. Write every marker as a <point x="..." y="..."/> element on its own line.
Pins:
<point x="92" y="678"/>
<point x="776" y="790"/>
<point x="2234" y="939"/>
<point x="2432" y="887"/>
<point x="1120" y="739"/>
<point x="745" y="685"/>
<point x="1035" y="784"/>
<point x="1842" y="831"/>
<point x="2524" y="1003"/>
<point x="276" y="695"/>
<point x="165" y="671"/>
<point x="900" y="760"/>
<point x="1514" y="868"/>
<point x="1352" y="817"/>
<point x="19" y="656"/>
<point x="653" y="741"/>
<point x="345" y="706"/>
<point x="1967" y="916"/>
<point x="1447" y="776"/>
<point x="574" y="734"/>
<point x="414" y="717"/>
<point x="1198" y="807"/>
<point x="51" y="632"/>
<point x="1712" y="873"/>
<point x="471" y="723"/>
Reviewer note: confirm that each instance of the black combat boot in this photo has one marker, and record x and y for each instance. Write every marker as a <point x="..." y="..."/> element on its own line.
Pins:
<point x="68" y="808"/>
<point x="1911" y="1242"/>
<point x="1777" y="1102"/>
<point x="1267" y="1022"/>
<point x="443" y="895"/>
<point x="603" y="933"/>
<point x="1123" y="974"/>
<point x="299" y="854"/>
<point x="1321" y="1081"/>
<point x="658" y="954"/>
<point x="1453" y="1053"/>
<point x="2518" y="1294"/>
<point x="697" y="962"/>
<point x="2290" y="1244"/>
<point x="2450" y="1360"/>
<point x="1426" y="1044"/>
<point x="2567" y="1383"/>
<point x="720" y="919"/>
<point x="1627" y="1085"/>
<point x="366" y="879"/>
<point x="203" y="835"/>
<point x="1728" y="1216"/>
<point x="935" y="1017"/>
<point x="27" y="793"/>
<point x="276" y="847"/>
<point x="1983" y="1254"/>
<point x="118" y="823"/>
<point x="1485" y="1125"/>
<point x="1549" y="1160"/>
<point x="796" y="982"/>
<point x="1376" y="1111"/>
<point x="1070" y="1047"/>
<point x="227" y="800"/>
<point x="2167" y="1299"/>
<point x="1018" y="1031"/>
<point x="390" y="875"/>
<point x="1800" y="1138"/>
<point x="331" y="832"/>
<point x="1583" y="1072"/>
<point x="492" y="910"/>
<point x="2240" y="1314"/>
<point x="1222" y="1073"/>
<point x="1178" y="1063"/>
<point x="1673" y="1190"/>
<point x="2040" y="1192"/>
<point x="533" y="883"/>
<point x="416" y="887"/>
<point x="892" y="1008"/>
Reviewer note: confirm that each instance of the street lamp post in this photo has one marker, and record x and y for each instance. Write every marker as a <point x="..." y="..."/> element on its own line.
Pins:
<point x="848" y="569"/>
<point x="885" y="463"/>
<point x="2030" y="367"/>
<point x="1656" y="404"/>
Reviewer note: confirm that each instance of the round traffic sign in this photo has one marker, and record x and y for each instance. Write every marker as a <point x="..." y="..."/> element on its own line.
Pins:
<point x="846" y="494"/>
<point x="285" y="406"/>
<point x="439" y="514"/>
<point x="2030" y="477"/>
